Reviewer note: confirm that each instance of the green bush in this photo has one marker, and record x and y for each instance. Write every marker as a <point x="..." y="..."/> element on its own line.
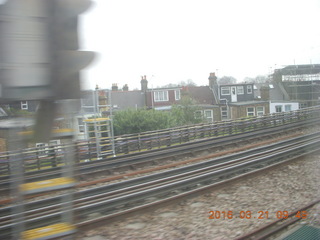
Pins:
<point x="142" y="120"/>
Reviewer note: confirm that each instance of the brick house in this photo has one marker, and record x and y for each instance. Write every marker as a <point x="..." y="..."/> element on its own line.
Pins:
<point x="236" y="100"/>
<point x="248" y="109"/>
<point x="205" y="101"/>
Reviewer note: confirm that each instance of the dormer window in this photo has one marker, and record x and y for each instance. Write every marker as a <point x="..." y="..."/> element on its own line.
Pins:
<point x="161" y="96"/>
<point x="177" y="94"/>
<point x="225" y="90"/>
<point x="249" y="89"/>
<point x="240" y="89"/>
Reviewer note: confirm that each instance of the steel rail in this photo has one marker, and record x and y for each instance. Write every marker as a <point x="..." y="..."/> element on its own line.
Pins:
<point x="185" y="183"/>
<point x="203" y="188"/>
<point x="141" y="158"/>
<point x="198" y="166"/>
<point x="255" y="152"/>
<point x="154" y="183"/>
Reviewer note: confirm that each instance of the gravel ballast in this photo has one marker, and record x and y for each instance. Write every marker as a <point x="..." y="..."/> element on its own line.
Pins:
<point x="285" y="188"/>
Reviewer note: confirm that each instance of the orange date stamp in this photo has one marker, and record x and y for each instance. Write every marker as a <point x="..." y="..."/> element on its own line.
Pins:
<point x="254" y="214"/>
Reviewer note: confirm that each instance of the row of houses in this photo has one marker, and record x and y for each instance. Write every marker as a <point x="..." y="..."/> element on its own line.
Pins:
<point x="289" y="88"/>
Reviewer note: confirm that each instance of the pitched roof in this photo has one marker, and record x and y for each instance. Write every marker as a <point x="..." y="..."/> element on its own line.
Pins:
<point x="275" y="92"/>
<point x="202" y="94"/>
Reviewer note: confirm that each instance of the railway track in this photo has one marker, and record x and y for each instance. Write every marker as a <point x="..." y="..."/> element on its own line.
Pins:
<point x="157" y="157"/>
<point x="277" y="226"/>
<point x="119" y="198"/>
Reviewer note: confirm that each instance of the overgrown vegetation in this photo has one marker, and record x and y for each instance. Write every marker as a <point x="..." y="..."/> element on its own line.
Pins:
<point x="19" y="113"/>
<point x="142" y="120"/>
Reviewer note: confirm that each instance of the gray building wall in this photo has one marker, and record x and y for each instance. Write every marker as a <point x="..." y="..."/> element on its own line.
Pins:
<point x="127" y="99"/>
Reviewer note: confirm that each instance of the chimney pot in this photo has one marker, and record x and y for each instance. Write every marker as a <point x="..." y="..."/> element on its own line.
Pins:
<point x="144" y="84"/>
<point x="114" y="87"/>
<point x="125" y="87"/>
<point x="212" y="80"/>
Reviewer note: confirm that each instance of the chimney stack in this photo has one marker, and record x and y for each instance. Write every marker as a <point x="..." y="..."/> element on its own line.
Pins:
<point x="144" y="83"/>
<point x="125" y="88"/>
<point x="114" y="87"/>
<point x="212" y="80"/>
<point x="265" y="93"/>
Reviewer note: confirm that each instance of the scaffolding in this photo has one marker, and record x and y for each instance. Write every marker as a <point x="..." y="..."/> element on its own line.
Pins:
<point x="99" y="133"/>
<point x="99" y="129"/>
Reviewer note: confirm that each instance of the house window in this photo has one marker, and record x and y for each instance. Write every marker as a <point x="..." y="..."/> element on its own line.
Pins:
<point x="240" y="89"/>
<point x="287" y="108"/>
<point x="224" y="113"/>
<point x="208" y="115"/>
<point x="24" y="105"/>
<point x="161" y="96"/>
<point x="260" y="111"/>
<point x="177" y="94"/>
<point x="250" y="111"/>
<point x="225" y="90"/>
<point x="278" y="108"/>
<point x="81" y="124"/>
<point x="249" y="89"/>
<point x="303" y="105"/>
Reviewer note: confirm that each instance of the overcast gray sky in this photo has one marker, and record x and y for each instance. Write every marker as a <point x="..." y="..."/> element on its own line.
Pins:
<point x="177" y="40"/>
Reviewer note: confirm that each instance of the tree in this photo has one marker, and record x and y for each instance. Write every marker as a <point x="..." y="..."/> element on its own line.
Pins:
<point x="142" y="120"/>
<point x="257" y="79"/>
<point x="227" y="80"/>
<point x="189" y="82"/>
<point x="261" y="79"/>
<point x="248" y="80"/>
<point x="185" y="112"/>
<point x="170" y="85"/>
